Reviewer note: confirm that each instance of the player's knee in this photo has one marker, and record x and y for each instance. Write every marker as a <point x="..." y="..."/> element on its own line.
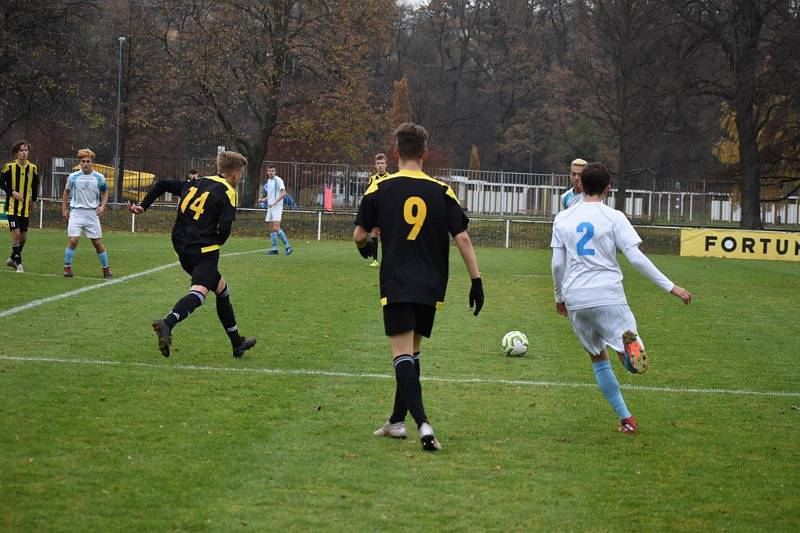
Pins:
<point x="199" y="289"/>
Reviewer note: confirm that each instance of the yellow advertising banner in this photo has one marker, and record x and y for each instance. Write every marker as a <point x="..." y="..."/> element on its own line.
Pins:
<point x="740" y="244"/>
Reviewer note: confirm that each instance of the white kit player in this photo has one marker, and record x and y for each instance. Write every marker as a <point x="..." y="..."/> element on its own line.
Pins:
<point x="82" y="204"/>
<point x="588" y="284"/>
<point x="274" y="192"/>
<point x="574" y="194"/>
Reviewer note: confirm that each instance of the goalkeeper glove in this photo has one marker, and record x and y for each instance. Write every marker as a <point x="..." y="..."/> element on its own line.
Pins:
<point x="369" y="249"/>
<point x="476" y="295"/>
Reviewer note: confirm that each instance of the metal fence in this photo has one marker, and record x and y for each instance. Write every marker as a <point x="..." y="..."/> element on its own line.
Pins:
<point x="492" y="193"/>
<point x="304" y="224"/>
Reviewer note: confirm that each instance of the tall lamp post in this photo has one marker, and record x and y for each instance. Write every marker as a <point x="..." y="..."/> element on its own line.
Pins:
<point x="117" y="169"/>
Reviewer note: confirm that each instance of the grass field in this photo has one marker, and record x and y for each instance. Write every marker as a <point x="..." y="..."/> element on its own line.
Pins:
<point x="99" y="432"/>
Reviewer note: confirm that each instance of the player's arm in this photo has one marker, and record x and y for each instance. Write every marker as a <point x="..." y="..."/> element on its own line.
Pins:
<point x="651" y="272"/>
<point x="467" y="251"/>
<point x="5" y="182"/>
<point x="103" y="201"/>
<point x="65" y="204"/>
<point x="224" y="230"/>
<point x="365" y="221"/>
<point x="34" y="189"/>
<point x="558" y="265"/>
<point x="367" y="246"/>
<point x="279" y="199"/>
<point x="160" y="187"/>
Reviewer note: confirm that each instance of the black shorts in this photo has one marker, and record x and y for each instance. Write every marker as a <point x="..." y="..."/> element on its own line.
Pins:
<point x="202" y="267"/>
<point x="17" y="222"/>
<point x="402" y="317"/>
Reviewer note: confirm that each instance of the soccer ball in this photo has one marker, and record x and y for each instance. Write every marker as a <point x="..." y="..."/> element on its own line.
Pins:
<point x="514" y="343"/>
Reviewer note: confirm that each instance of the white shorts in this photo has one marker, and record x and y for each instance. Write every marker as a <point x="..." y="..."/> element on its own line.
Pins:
<point x="274" y="213"/>
<point x="84" y="220"/>
<point x="598" y="327"/>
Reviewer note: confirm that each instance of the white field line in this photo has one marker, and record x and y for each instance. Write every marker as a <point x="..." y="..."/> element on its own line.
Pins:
<point x="50" y="275"/>
<point x="55" y="298"/>
<point x="366" y="375"/>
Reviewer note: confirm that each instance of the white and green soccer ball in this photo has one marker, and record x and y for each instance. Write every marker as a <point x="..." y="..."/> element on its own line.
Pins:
<point x="514" y="343"/>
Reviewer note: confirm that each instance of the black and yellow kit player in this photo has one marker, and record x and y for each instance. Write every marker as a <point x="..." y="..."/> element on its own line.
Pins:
<point x="206" y="211"/>
<point x="21" y="184"/>
<point x="417" y="216"/>
<point x="376" y="176"/>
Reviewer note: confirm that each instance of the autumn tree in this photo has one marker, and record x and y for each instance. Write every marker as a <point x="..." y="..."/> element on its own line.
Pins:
<point x="756" y="42"/>
<point x="474" y="159"/>
<point x="34" y="39"/>
<point x="248" y="63"/>
<point x="401" y="104"/>
<point x="626" y="61"/>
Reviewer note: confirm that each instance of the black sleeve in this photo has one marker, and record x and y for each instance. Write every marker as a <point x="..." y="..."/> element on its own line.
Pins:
<point x="224" y="229"/>
<point x="457" y="220"/>
<point x="35" y="186"/>
<point x="367" y="211"/>
<point x="159" y="188"/>
<point x="5" y="182"/>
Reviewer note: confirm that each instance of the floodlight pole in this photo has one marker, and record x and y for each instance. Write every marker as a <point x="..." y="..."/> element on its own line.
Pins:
<point x="118" y="171"/>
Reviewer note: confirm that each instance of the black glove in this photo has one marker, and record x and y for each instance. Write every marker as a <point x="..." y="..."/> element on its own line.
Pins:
<point x="369" y="249"/>
<point x="476" y="295"/>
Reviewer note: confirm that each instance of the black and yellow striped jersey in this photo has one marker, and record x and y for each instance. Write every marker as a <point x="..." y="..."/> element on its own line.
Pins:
<point x="417" y="215"/>
<point x="374" y="177"/>
<point x="206" y="210"/>
<point x="24" y="180"/>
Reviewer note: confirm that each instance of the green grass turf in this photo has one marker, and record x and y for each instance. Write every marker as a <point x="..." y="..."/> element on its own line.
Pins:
<point x="203" y="441"/>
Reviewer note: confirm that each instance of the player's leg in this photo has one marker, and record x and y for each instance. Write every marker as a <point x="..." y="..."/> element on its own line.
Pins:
<point x="102" y="256"/>
<point x="73" y="238"/>
<point x="403" y="323"/>
<point x="23" y="237"/>
<point x="585" y="324"/>
<point x="375" y="234"/>
<point x="280" y="233"/>
<point x="399" y="409"/>
<point x="273" y="233"/>
<point x="75" y="228"/>
<point x="228" y="320"/>
<point x="202" y="277"/>
<point x="620" y="332"/>
<point x="15" y="258"/>
<point x="95" y="233"/>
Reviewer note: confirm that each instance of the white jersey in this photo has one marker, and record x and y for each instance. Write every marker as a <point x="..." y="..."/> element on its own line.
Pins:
<point x="570" y="198"/>
<point x="85" y="189"/>
<point x="272" y="189"/>
<point x="591" y="234"/>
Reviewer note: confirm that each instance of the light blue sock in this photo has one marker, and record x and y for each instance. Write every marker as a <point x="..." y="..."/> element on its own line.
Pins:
<point x="610" y="386"/>
<point x="103" y="259"/>
<point x="274" y="237"/>
<point x="282" y="237"/>
<point x="69" y="253"/>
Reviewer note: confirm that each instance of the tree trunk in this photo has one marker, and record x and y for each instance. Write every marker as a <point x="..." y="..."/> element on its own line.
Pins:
<point x="622" y="179"/>
<point x="255" y="154"/>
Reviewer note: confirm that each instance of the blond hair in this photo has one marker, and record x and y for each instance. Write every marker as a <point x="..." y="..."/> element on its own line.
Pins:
<point x="85" y="152"/>
<point x="230" y="162"/>
<point x="578" y="163"/>
<point x="380" y="157"/>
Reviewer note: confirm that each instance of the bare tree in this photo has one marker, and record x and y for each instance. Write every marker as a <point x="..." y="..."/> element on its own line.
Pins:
<point x="757" y="40"/>
<point x="248" y="63"/>
<point x="628" y="56"/>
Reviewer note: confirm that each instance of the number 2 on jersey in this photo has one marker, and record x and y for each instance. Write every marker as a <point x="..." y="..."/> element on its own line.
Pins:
<point x="589" y="229"/>
<point x="416" y="219"/>
<point x="197" y="206"/>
